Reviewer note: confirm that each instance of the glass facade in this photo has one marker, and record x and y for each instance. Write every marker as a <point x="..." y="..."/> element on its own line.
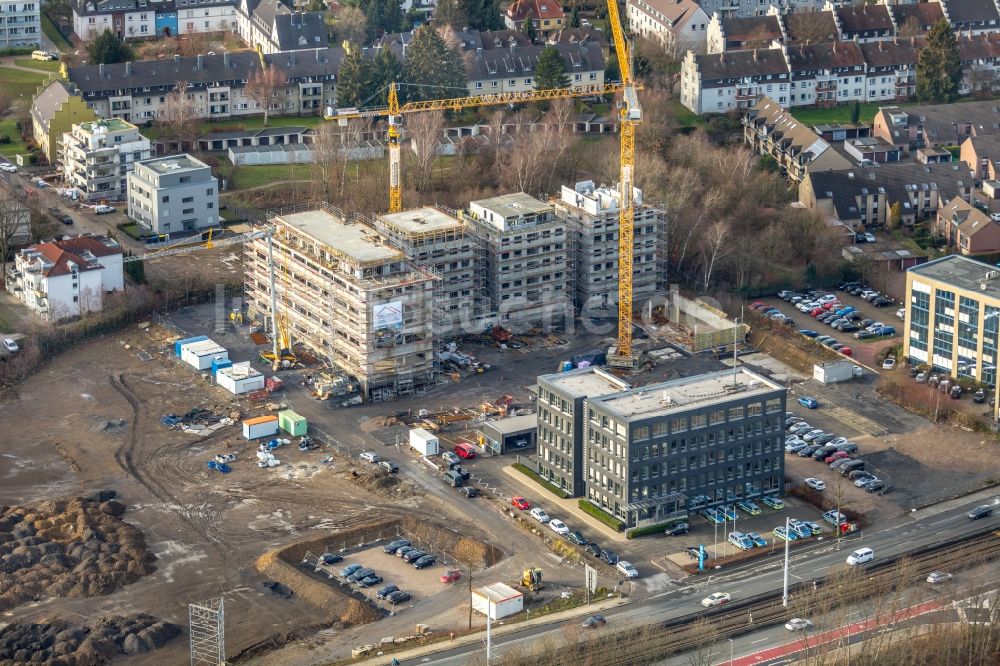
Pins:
<point x="920" y="310"/>
<point x="968" y="337"/>
<point x="991" y="326"/>
<point x="944" y="329"/>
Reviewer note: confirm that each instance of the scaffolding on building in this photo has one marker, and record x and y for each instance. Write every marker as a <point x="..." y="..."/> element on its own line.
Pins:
<point x="207" y="624"/>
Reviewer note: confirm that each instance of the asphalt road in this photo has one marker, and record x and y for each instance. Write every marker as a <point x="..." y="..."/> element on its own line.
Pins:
<point x="754" y="578"/>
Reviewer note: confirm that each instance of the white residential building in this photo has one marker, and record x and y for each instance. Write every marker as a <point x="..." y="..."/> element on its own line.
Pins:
<point x="68" y="278"/>
<point x="20" y="23"/>
<point x="679" y="25"/>
<point x="173" y="194"/>
<point x="97" y="156"/>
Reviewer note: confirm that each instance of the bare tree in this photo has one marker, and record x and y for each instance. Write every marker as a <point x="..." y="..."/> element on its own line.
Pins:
<point x="14" y="226"/>
<point x="263" y="86"/>
<point x="982" y="80"/>
<point x="352" y="24"/>
<point x="326" y="156"/>
<point x="716" y="247"/>
<point x="911" y="28"/>
<point x="425" y="131"/>
<point x="811" y="27"/>
<point x="179" y="116"/>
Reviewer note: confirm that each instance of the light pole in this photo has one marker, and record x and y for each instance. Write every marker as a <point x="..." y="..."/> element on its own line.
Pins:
<point x="730" y="652"/>
<point x="784" y="596"/>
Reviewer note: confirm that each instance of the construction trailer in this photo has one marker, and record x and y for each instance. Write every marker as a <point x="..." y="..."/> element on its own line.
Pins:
<point x="497" y="600"/>
<point x="199" y="355"/>
<point x="527" y="259"/>
<point x="239" y="379"/>
<point x="343" y="291"/>
<point x="441" y="240"/>
<point x="423" y="442"/>
<point x="261" y="426"/>
<point x="836" y="371"/>
<point x="180" y="344"/>
<point x="593" y="217"/>
<point x="292" y="423"/>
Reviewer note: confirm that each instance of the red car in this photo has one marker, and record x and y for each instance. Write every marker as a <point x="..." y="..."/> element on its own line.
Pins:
<point x="846" y="351"/>
<point x="464" y="450"/>
<point x="815" y="312"/>
<point x="837" y="456"/>
<point x="451" y="576"/>
<point x="756" y="305"/>
<point x="831" y="305"/>
<point x="520" y="503"/>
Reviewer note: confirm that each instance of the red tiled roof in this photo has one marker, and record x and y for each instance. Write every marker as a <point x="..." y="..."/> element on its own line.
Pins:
<point x="865" y="18"/>
<point x="84" y="251"/>
<point x="535" y="9"/>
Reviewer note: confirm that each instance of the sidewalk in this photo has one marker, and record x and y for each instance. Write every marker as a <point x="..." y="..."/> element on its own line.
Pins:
<point x="497" y="630"/>
<point x="531" y="490"/>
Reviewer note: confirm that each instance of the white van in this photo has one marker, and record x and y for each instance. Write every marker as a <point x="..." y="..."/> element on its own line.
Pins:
<point x="44" y="56"/>
<point x="860" y="556"/>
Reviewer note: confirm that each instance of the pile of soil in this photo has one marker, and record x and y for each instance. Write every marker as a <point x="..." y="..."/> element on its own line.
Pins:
<point x="68" y="548"/>
<point x="63" y="644"/>
<point x="384" y="484"/>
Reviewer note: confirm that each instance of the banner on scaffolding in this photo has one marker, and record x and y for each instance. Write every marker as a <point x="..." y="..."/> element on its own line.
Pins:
<point x="387" y="323"/>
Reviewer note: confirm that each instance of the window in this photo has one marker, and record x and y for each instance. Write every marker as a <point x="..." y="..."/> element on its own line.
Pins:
<point x="735" y="413"/>
<point x="165" y="199"/>
<point x="717" y="417"/>
<point x="187" y="199"/>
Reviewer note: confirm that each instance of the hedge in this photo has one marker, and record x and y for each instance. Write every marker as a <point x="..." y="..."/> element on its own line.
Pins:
<point x="651" y="529"/>
<point x="602" y="515"/>
<point x="531" y="474"/>
<point x="16" y="51"/>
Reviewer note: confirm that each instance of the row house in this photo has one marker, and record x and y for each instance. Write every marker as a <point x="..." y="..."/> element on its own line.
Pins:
<point x="679" y="25"/>
<point x="748" y="8"/>
<point x="967" y="229"/>
<point x="863" y="23"/>
<point x="977" y="16"/>
<point x="770" y="130"/>
<point x="137" y="19"/>
<point x="492" y="71"/>
<point x="825" y="74"/>
<point x="891" y="72"/>
<point x="861" y="197"/>
<point x="271" y="26"/>
<point x="982" y="155"/>
<point x="137" y="91"/>
<point x="916" y="128"/>
<point x="743" y="33"/>
<point x="721" y="82"/>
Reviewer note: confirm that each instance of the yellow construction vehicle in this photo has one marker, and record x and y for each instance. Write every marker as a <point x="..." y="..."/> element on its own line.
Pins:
<point x="532" y="579"/>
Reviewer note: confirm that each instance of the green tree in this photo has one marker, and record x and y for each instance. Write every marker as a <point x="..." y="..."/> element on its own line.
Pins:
<point x="939" y="69"/>
<point x="574" y="17"/>
<point x="385" y="69"/>
<point x="108" y="49"/>
<point x="354" y="79"/>
<point x="611" y="72"/>
<point x="434" y="65"/>
<point x="383" y="16"/>
<point x="135" y="269"/>
<point x="528" y="28"/>
<point x="451" y="12"/>
<point x="484" y="14"/>
<point x="895" y="215"/>
<point x="550" y="72"/>
<point x="856" y="112"/>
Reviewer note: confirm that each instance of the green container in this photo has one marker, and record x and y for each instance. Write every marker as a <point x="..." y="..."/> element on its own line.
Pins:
<point x="292" y="423"/>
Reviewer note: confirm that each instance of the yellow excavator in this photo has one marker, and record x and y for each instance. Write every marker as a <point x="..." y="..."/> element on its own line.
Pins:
<point x="532" y="579"/>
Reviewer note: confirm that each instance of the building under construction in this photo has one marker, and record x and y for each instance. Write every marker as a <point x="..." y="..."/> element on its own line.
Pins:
<point x="344" y="292"/>
<point x="438" y="238"/>
<point x="592" y="213"/>
<point x="529" y="260"/>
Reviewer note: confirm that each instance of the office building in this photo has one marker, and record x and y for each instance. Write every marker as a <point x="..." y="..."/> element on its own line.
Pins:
<point x="173" y="194"/>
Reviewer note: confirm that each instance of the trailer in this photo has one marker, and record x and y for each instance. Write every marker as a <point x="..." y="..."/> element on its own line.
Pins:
<point x="497" y="600"/>
<point x="179" y="345"/>
<point x="836" y="371"/>
<point x="424" y="442"/>
<point x="292" y="423"/>
<point x="239" y="379"/>
<point x="199" y="355"/>
<point x="262" y="426"/>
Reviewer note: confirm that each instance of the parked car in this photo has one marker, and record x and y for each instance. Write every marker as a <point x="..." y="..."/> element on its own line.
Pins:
<point x="748" y="507"/>
<point x="398" y="597"/>
<point x="331" y="558"/>
<point x="386" y="590"/>
<point x="102" y="209"/>
<point x="812" y="435"/>
<point x="815" y="484"/>
<point x="834" y="517"/>
<point x="795" y="447"/>
<point x="363" y="572"/>
<point x="389" y="466"/>
<point x="369" y="456"/>
<point x="369" y="581"/>
<point x="864" y="481"/>
<point x="824" y="439"/>
<point x="577" y="538"/>
<point x="712" y="516"/>
<point x="592" y="549"/>
<point x="799" y="428"/>
<point x="559" y="527"/>
<point x="677" y="529"/>
<point x="889" y="363"/>
<point x="464" y="450"/>
<point x="413" y="556"/>
<point x="859" y="474"/>
<point x="350" y="569"/>
<point x="808" y="402"/>
<point x="808" y="333"/>
<point x="773" y="503"/>
<point x="610" y="557"/>
<point x="8" y="167"/>
<point x="539" y="514"/>
<point x="835" y="456"/>
<point x="626" y="569"/>
<point x="11" y="346"/>
<point x="519" y="502"/>
<point x="938" y="577"/>
<point x="846" y="351"/>
<point x="594" y="622"/>
<point x="876" y="486"/>
<point x="470" y="492"/>
<point x="424" y="562"/>
<point x="983" y="511"/>
<point x="404" y="550"/>
<point x="450" y="458"/>
<point x="716" y="599"/>
<point x="758" y="540"/>
<point x="451" y="576"/>
<point x="837" y="464"/>
<point x="393" y="546"/>
<point x="978" y="397"/>
<point x="798" y="624"/>
<point x="784" y="535"/>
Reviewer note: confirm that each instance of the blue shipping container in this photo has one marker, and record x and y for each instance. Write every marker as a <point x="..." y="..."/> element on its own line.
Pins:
<point x="187" y="341"/>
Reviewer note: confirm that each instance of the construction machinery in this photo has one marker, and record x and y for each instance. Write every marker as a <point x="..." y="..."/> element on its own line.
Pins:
<point x="531" y="578"/>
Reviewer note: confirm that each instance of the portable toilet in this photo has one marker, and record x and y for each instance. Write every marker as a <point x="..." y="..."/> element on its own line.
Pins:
<point x="180" y="344"/>
<point x="292" y="423"/>
<point x="219" y="364"/>
<point x="262" y="426"/>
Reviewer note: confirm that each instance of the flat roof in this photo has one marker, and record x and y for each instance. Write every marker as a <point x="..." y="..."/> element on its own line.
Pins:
<point x="173" y="164"/>
<point x="962" y="273"/>
<point x="498" y="592"/>
<point x="514" y="204"/>
<point x="512" y="424"/>
<point x="585" y="382"/>
<point x="421" y="220"/>
<point x="352" y="240"/>
<point x="110" y="124"/>
<point x="680" y="395"/>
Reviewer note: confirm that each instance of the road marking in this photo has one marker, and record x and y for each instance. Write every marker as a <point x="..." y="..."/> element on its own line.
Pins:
<point x="760" y="641"/>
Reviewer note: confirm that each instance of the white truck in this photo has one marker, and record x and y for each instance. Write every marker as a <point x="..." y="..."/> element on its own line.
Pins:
<point x="424" y="442"/>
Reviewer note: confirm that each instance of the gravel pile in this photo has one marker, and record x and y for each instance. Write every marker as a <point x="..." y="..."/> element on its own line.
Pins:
<point x="68" y="548"/>
<point x="61" y="644"/>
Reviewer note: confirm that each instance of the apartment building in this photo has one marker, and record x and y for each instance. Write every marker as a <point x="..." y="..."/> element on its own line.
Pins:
<point x="721" y="82"/>
<point x="97" y="157"/>
<point x="561" y="414"/>
<point x="137" y="91"/>
<point x="20" y="23"/>
<point x="679" y="25"/>
<point x="982" y="155"/>
<point x="930" y="125"/>
<point x="967" y="229"/>
<point x="442" y="241"/>
<point x="862" y="196"/>
<point x="953" y="318"/>
<point x="68" y="278"/>
<point x="770" y="130"/>
<point x="592" y="213"/>
<point x="138" y="19"/>
<point x="174" y="194"/>
<point x="347" y="294"/>
<point x="743" y="33"/>
<point x="530" y="261"/>
<point x="272" y="26"/>
<point x="54" y="111"/>
<point x="652" y="454"/>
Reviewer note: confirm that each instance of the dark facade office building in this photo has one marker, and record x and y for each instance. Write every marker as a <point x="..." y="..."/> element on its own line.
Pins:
<point x="561" y="399"/>
<point x="654" y="453"/>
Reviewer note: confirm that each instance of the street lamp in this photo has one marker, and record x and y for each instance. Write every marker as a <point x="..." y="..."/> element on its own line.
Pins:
<point x="730" y="652"/>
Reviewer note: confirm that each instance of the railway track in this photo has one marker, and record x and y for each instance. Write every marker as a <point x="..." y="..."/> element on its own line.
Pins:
<point x="643" y="646"/>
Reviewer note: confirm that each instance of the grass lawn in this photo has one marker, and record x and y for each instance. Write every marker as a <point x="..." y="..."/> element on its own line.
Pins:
<point x="685" y="116"/>
<point x="45" y="66"/>
<point x="255" y="176"/>
<point x="21" y="83"/>
<point x="16" y="145"/>
<point x="52" y="32"/>
<point x="243" y="124"/>
<point x="837" y="114"/>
